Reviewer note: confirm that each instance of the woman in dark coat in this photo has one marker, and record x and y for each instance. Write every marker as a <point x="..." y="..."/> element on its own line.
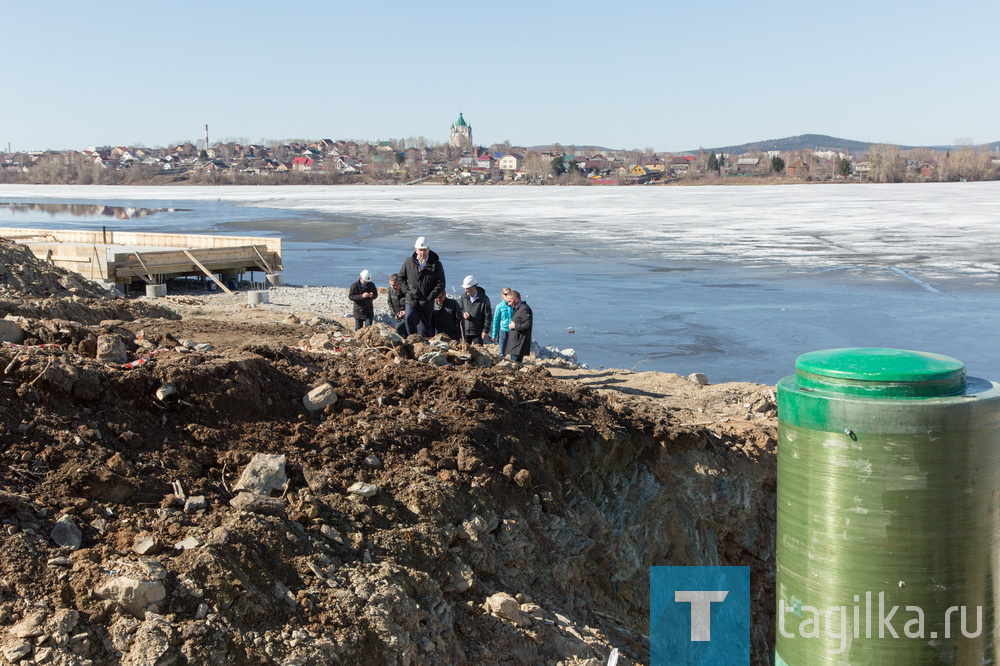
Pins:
<point x="519" y="340"/>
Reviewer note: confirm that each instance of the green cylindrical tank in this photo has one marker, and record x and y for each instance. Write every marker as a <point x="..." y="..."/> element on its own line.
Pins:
<point x="888" y="490"/>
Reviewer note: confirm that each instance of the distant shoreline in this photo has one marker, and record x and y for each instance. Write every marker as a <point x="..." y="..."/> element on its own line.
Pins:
<point x="737" y="181"/>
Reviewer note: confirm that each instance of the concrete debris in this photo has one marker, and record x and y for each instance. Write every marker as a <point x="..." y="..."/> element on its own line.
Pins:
<point x="434" y="358"/>
<point x="484" y="478"/>
<point x="145" y="544"/>
<point x="321" y="341"/>
<point x="151" y="643"/>
<point x="31" y="625"/>
<point x="66" y="534"/>
<point x="133" y="595"/>
<point x="698" y="378"/>
<point x="264" y="474"/>
<point x="196" y="503"/>
<point x="152" y="569"/>
<point x="459" y="578"/>
<point x="362" y="489"/>
<point x="255" y="503"/>
<point x="320" y="397"/>
<point x="111" y="349"/>
<point x="189" y="543"/>
<point x="505" y="606"/>
<point x="17" y="652"/>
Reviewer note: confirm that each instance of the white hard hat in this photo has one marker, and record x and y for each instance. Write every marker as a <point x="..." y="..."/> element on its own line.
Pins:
<point x="421" y="244"/>
<point x="366" y="275"/>
<point x="469" y="281"/>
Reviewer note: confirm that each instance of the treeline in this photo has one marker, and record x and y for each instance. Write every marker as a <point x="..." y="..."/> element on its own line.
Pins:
<point x="79" y="170"/>
<point x="889" y="164"/>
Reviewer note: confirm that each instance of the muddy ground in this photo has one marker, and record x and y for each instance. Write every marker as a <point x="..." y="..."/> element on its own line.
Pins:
<point x="169" y="495"/>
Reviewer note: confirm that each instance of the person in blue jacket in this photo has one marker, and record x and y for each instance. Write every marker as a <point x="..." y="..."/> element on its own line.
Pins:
<point x="501" y="319"/>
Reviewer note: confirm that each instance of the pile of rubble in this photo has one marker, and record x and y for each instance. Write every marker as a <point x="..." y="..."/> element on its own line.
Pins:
<point x="303" y="496"/>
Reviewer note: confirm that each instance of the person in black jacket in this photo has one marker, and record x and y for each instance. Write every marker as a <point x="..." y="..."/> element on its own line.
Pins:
<point x="447" y="316"/>
<point x="362" y="293"/>
<point x="397" y="304"/>
<point x="421" y="279"/>
<point x="519" y="340"/>
<point x="477" y="313"/>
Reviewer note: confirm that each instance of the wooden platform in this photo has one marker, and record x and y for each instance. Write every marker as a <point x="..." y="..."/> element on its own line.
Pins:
<point x="150" y="257"/>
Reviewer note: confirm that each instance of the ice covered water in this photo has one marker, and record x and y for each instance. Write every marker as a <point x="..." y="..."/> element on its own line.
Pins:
<point x="734" y="282"/>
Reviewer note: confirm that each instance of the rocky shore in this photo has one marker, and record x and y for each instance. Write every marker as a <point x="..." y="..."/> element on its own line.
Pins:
<point x="319" y="305"/>
<point x="192" y="480"/>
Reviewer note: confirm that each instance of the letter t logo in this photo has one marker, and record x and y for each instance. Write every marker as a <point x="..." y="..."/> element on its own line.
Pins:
<point x="701" y="607"/>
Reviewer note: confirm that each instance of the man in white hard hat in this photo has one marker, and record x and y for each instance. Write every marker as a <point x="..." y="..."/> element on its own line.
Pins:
<point x="421" y="278"/>
<point x="363" y="294"/>
<point x="477" y="313"/>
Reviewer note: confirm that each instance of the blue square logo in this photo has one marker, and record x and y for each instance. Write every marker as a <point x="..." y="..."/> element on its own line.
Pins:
<point x="699" y="615"/>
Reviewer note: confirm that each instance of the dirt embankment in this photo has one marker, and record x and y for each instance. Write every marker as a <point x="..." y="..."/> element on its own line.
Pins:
<point x="473" y="512"/>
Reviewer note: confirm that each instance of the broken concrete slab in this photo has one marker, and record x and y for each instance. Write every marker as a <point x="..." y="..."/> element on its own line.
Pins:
<point x="362" y="489"/>
<point x="320" y="397"/>
<point x="264" y="474"/>
<point x="66" y="534"/>
<point x="111" y="349"/>
<point x="263" y="504"/>
<point x="135" y="596"/>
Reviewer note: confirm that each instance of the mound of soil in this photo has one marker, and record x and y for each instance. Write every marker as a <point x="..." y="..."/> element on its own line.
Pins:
<point x="198" y="507"/>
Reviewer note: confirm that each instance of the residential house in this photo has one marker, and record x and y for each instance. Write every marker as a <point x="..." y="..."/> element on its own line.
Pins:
<point x="511" y="162"/>
<point x="596" y="166"/>
<point x="681" y="164"/>
<point x="303" y="163"/>
<point x="346" y="164"/>
<point x="640" y="174"/>
<point x="214" y="165"/>
<point x="798" y="169"/>
<point x="654" y="163"/>
<point x="747" y="165"/>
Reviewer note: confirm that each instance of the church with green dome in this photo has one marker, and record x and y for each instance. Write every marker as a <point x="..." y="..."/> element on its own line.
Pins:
<point x="461" y="134"/>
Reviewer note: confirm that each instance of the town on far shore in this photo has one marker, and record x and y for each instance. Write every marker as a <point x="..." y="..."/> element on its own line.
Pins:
<point x="459" y="161"/>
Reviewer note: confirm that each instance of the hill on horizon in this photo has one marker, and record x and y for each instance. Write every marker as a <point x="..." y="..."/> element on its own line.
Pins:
<point x="819" y="142"/>
<point x="786" y="144"/>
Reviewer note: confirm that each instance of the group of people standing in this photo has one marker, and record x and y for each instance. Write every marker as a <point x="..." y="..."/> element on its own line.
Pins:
<point x="419" y="304"/>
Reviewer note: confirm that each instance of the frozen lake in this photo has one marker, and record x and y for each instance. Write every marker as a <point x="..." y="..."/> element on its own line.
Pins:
<point x="734" y="282"/>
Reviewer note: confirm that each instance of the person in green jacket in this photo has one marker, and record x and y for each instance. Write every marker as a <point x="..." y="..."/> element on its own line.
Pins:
<point x="501" y="321"/>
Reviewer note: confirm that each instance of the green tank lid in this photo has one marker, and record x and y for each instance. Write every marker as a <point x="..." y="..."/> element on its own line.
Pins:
<point x="878" y="371"/>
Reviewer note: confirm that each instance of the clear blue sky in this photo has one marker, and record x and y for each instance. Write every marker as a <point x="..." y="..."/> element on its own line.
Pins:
<point x="666" y="74"/>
